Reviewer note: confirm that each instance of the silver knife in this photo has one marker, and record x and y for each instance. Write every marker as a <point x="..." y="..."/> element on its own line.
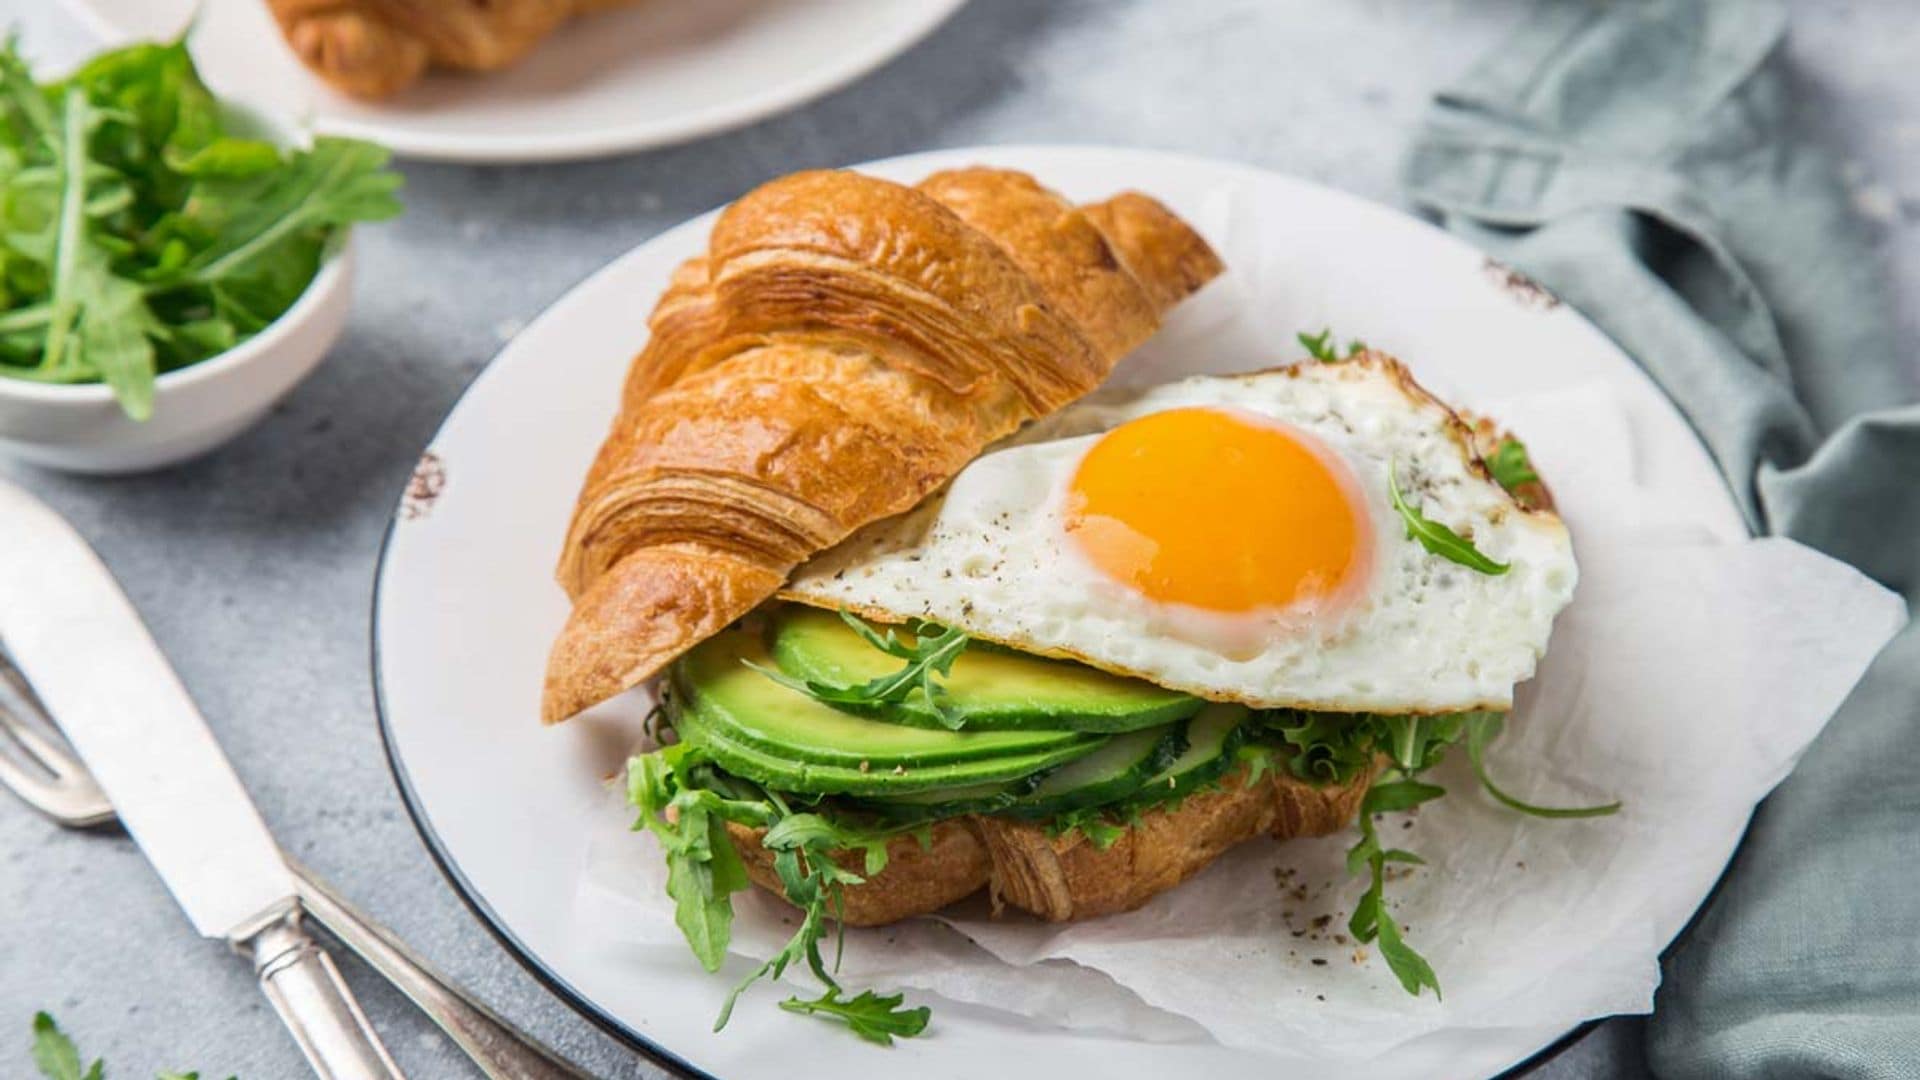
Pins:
<point x="87" y="654"/>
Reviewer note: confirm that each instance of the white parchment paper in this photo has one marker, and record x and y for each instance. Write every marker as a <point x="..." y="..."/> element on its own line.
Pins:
<point x="1685" y="679"/>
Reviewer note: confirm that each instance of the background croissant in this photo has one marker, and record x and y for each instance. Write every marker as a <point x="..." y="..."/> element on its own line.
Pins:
<point x="845" y="346"/>
<point x="376" y="48"/>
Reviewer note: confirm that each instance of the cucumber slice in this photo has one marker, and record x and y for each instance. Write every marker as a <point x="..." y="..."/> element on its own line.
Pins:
<point x="1121" y="767"/>
<point x="746" y="708"/>
<point x="989" y="689"/>
<point x="936" y="804"/>
<point x="1213" y="737"/>
<point x="1099" y="779"/>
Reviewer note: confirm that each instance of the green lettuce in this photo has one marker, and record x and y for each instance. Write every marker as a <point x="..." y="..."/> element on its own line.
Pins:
<point x="142" y="231"/>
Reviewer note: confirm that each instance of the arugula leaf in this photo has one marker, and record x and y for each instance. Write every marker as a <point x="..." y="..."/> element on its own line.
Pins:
<point x="1328" y="748"/>
<point x="337" y="182"/>
<point x="700" y="890"/>
<point x="1102" y="833"/>
<point x="1510" y="466"/>
<point x="812" y="881"/>
<point x="139" y="232"/>
<point x="1258" y="759"/>
<point x="872" y="1017"/>
<point x="29" y="118"/>
<point x="811" y="894"/>
<point x="888" y="643"/>
<point x="80" y="270"/>
<point x="1437" y="538"/>
<point x="115" y="338"/>
<point x="1371" y="920"/>
<point x="1091" y="822"/>
<point x="1334" y="748"/>
<point x="1482" y="729"/>
<point x="57" y="1059"/>
<point x="1407" y="965"/>
<point x="1416" y="743"/>
<point x="1398" y="795"/>
<point x="55" y="1054"/>
<point x="97" y="319"/>
<point x="1339" y="746"/>
<point x="703" y="869"/>
<point x="821" y="832"/>
<point x="1321" y="346"/>
<point x="929" y="659"/>
<point x="686" y="802"/>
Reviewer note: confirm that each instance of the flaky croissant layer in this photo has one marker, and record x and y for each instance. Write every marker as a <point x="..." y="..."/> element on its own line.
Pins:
<point x="1062" y="876"/>
<point x="843" y="348"/>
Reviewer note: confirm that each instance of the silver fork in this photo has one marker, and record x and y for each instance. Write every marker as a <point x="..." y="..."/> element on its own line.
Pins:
<point x="50" y="778"/>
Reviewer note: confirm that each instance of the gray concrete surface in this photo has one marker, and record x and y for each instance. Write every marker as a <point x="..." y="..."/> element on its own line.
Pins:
<point x="255" y="565"/>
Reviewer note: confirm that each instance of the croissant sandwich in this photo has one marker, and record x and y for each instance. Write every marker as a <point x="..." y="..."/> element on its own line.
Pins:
<point x="376" y="48"/>
<point x="925" y="627"/>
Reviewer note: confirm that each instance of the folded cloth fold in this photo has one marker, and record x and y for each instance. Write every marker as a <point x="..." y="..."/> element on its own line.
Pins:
<point x="1643" y="161"/>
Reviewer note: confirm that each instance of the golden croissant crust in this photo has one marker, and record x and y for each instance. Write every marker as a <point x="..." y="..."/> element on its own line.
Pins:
<point x="376" y="48"/>
<point x="843" y="348"/>
<point x="1067" y="876"/>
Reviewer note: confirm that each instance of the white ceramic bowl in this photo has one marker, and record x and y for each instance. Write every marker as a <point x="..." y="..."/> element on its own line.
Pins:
<point x="80" y="428"/>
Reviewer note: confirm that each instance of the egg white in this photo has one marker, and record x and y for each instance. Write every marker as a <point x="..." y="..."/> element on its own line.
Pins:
<point x="989" y="555"/>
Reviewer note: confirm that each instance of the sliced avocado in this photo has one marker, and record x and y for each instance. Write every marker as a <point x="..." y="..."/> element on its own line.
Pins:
<point x="989" y="689"/>
<point x="742" y="707"/>
<point x="1213" y="736"/>
<point x="694" y="725"/>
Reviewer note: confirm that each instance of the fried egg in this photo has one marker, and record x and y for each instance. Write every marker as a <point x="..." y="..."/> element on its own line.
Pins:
<point x="1235" y="538"/>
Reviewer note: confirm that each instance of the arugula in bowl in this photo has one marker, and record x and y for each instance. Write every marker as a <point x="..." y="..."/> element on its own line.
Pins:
<point x="144" y="227"/>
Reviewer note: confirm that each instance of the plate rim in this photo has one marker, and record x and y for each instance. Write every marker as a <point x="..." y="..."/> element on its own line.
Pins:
<point x="606" y="140"/>
<point x="469" y="896"/>
<point x="631" y="1037"/>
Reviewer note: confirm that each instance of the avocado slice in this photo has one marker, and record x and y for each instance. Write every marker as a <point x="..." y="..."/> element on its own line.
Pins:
<point x="721" y="700"/>
<point x="695" y="725"/>
<point x="989" y="688"/>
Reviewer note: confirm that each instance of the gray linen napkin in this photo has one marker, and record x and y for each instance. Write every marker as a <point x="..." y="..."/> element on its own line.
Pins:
<point x="1640" y="159"/>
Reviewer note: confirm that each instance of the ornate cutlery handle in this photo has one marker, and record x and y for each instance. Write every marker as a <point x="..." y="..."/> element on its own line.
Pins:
<point x="501" y="1051"/>
<point x="313" y="1001"/>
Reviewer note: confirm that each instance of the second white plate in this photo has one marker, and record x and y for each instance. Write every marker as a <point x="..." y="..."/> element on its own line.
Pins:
<point x="660" y="72"/>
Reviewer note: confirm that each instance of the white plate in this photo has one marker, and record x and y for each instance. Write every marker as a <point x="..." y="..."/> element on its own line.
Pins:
<point x="465" y="607"/>
<point x="663" y="71"/>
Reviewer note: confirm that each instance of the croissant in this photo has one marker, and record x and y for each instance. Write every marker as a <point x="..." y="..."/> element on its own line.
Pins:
<point x="843" y="348"/>
<point x="1061" y="876"/>
<point x="376" y="48"/>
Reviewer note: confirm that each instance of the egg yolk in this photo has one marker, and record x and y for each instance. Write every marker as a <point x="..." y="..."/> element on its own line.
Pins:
<point x="1219" y="510"/>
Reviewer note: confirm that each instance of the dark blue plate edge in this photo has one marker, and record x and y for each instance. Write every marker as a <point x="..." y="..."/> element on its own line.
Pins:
<point x="464" y="889"/>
